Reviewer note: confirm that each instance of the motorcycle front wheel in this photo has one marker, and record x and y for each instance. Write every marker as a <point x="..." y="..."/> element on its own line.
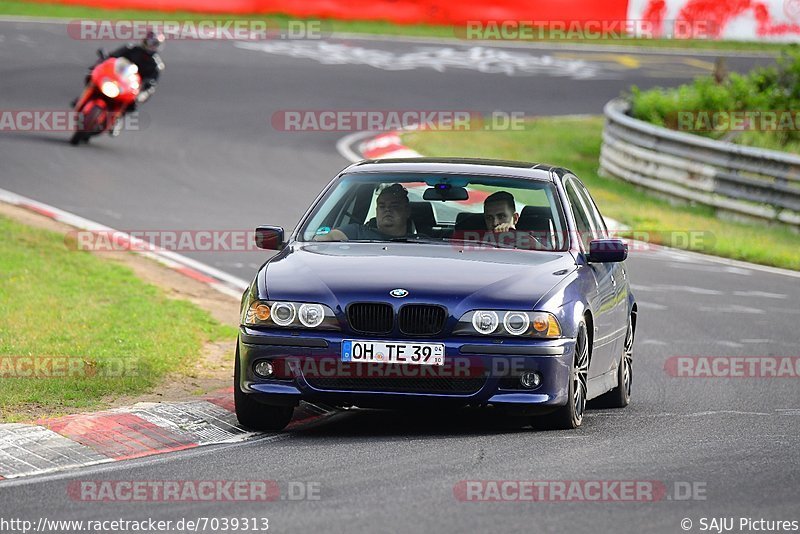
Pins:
<point x="93" y="123"/>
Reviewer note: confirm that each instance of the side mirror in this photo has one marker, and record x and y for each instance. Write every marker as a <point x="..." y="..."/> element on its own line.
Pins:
<point x="101" y="54"/>
<point x="269" y="237"/>
<point x="607" y="251"/>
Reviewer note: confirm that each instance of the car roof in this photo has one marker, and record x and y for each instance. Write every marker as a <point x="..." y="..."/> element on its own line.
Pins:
<point x="521" y="169"/>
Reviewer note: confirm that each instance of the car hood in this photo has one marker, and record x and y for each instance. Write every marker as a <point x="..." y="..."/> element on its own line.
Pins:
<point x="459" y="278"/>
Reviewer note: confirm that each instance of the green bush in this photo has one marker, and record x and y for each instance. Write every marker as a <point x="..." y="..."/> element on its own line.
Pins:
<point x="763" y="89"/>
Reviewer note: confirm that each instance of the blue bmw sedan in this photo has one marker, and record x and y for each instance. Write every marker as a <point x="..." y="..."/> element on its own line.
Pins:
<point x="440" y="282"/>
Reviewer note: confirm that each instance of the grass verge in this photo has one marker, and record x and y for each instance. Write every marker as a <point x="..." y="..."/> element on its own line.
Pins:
<point x="377" y="27"/>
<point x="574" y="143"/>
<point x="87" y="328"/>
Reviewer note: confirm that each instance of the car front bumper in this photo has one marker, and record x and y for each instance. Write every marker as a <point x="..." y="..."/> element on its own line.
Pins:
<point x="477" y="372"/>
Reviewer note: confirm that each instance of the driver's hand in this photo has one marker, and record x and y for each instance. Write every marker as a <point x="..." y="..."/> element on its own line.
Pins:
<point x="333" y="235"/>
<point x="504" y="227"/>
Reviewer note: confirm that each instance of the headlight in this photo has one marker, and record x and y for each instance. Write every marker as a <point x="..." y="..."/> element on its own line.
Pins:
<point x="283" y="313"/>
<point x="289" y="315"/>
<point x="485" y="322"/>
<point x="110" y="89"/>
<point x="311" y="315"/>
<point x="514" y="323"/>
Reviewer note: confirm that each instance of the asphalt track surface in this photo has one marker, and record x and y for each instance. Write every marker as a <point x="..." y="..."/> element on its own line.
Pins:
<point x="209" y="159"/>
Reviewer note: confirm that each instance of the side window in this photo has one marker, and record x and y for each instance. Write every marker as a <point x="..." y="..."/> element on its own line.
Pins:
<point x="582" y="219"/>
<point x="594" y="213"/>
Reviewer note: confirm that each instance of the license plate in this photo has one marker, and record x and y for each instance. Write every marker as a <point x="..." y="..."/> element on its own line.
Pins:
<point x="392" y="352"/>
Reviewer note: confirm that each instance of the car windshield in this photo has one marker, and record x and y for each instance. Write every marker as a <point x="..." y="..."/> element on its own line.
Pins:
<point x="491" y="211"/>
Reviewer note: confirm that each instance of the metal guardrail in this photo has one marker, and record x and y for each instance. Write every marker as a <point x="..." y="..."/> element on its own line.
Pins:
<point x="758" y="183"/>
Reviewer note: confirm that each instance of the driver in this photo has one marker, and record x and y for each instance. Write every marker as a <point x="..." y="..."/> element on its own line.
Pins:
<point x="391" y="219"/>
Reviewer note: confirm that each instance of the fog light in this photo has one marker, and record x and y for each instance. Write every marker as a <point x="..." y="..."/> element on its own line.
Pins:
<point x="263" y="368"/>
<point x="530" y="379"/>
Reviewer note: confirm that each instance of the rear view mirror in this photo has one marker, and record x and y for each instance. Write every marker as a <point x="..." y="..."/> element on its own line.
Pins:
<point x="269" y="237"/>
<point x="607" y="251"/>
<point x="101" y="54"/>
<point x="445" y="192"/>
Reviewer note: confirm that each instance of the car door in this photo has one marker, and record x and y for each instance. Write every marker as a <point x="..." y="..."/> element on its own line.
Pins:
<point x="619" y="277"/>
<point x="604" y="298"/>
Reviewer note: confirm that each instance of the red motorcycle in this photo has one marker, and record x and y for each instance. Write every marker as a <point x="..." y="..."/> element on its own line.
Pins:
<point x="113" y="85"/>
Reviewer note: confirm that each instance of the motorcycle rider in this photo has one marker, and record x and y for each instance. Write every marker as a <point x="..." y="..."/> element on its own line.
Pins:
<point x="146" y="58"/>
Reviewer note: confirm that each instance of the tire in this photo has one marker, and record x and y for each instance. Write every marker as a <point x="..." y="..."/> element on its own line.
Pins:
<point x="253" y="414"/>
<point x="76" y="138"/>
<point x="620" y="396"/>
<point x="92" y="123"/>
<point x="83" y="135"/>
<point x="570" y="416"/>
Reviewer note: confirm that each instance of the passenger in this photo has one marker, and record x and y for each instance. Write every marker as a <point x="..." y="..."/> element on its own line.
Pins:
<point x="500" y="215"/>
<point x="499" y="212"/>
<point x="391" y="216"/>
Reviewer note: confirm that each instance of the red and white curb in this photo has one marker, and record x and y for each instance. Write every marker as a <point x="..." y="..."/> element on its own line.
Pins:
<point x="386" y="146"/>
<point x="371" y="145"/>
<point x="144" y="429"/>
<point x="141" y="430"/>
<point x="219" y="280"/>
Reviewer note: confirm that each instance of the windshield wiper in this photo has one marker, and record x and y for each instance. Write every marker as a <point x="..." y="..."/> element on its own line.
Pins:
<point x="398" y="239"/>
